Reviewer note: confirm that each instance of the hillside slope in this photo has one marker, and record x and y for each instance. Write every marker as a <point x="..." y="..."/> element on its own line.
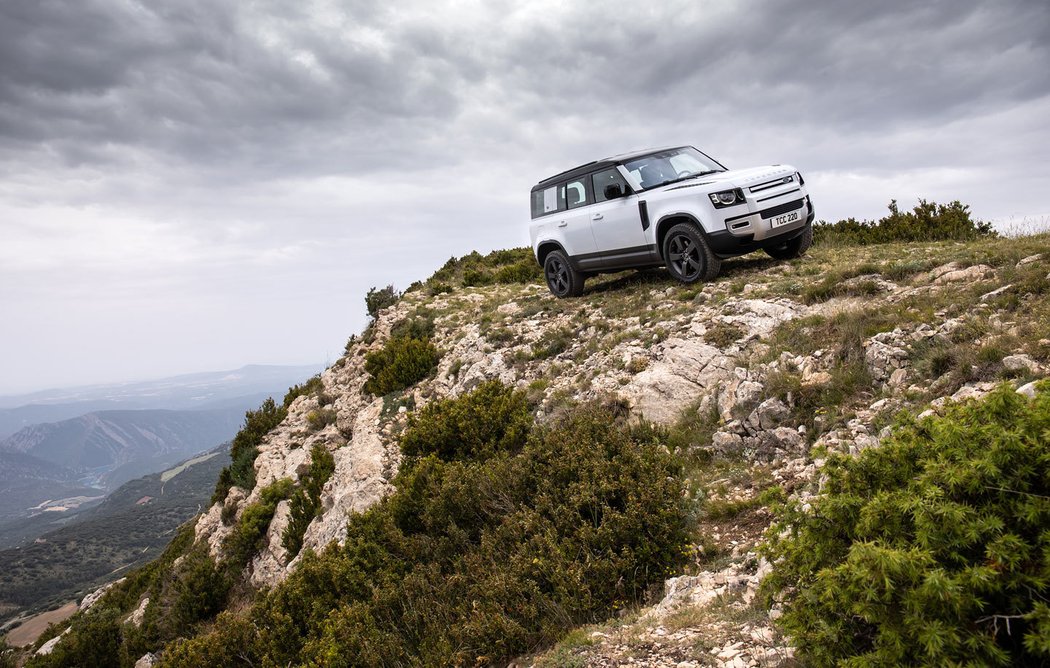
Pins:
<point x="751" y="380"/>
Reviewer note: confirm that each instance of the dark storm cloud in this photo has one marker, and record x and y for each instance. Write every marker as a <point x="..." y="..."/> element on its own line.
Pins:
<point x="268" y="87"/>
<point x="271" y="157"/>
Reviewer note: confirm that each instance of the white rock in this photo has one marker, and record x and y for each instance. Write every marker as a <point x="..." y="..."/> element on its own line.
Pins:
<point x="139" y="614"/>
<point x="93" y="598"/>
<point x="49" y="646"/>
<point x="1028" y="390"/>
<point x="1020" y="363"/>
<point x="147" y="660"/>
<point x="1030" y="259"/>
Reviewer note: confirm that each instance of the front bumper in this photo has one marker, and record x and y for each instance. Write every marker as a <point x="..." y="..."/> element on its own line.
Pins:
<point x="754" y="231"/>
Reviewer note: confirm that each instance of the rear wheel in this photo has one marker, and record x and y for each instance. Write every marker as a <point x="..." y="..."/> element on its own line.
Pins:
<point x="562" y="279"/>
<point x="796" y="247"/>
<point x="687" y="255"/>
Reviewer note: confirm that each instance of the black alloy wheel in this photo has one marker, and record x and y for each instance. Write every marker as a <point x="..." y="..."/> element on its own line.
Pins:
<point x="562" y="280"/>
<point x="687" y="255"/>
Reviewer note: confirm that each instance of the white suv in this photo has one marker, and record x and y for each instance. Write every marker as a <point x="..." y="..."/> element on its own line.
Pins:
<point x="676" y="207"/>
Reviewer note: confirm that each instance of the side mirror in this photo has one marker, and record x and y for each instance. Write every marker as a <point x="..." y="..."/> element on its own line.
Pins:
<point x="613" y="190"/>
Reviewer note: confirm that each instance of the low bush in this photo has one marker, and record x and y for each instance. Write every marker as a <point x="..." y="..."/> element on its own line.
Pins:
<point x="321" y="418"/>
<point x="245" y="447"/>
<point x="312" y="386"/>
<point x="305" y="503"/>
<point x="400" y="363"/>
<point x="928" y="221"/>
<point x="929" y="550"/>
<point x="472" y="561"/>
<point x="246" y="539"/>
<point x="514" y="265"/>
<point x="378" y="299"/>
<point x="477" y="426"/>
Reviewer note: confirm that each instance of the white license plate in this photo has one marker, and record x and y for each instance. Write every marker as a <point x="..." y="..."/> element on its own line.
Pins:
<point x="785" y="219"/>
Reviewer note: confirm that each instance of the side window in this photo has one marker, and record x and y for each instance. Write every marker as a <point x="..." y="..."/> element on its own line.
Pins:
<point x="537" y="203"/>
<point x="547" y="201"/>
<point x="576" y="192"/>
<point x="606" y="178"/>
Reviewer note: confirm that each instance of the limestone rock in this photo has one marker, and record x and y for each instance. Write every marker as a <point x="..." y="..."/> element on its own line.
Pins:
<point x="139" y="613"/>
<point x="953" y="272"/>
<point x="1020" y="363"/>
<point x="1028" y="390"/>
<point x="682" y="370"/>
<point x="50" y="645"/>
<point x="93" y="598"/>
<point x="1030" y="259"/>
<point x="147" y="660"/>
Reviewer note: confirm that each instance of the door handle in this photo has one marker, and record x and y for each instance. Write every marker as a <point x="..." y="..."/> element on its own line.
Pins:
<point x="562" y="224"/>
<point x="597" y="216"/>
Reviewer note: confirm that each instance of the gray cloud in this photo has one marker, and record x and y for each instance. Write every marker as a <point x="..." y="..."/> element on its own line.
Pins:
<point x="197" y="162"/>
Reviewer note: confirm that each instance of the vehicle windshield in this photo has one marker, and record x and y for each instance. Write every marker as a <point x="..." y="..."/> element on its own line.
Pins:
<point x="663" y="167"/>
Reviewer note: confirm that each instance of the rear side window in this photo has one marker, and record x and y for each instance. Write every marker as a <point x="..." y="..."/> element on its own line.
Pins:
<point x="576" y="193"/>
<point x="548" y="200"/>
<point x="608" y="177"/>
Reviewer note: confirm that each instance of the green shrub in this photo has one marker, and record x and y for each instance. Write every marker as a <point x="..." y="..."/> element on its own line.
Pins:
<point x="525" y="271"/>
<point x="929" y="550"/>
<point x="419" y="325"/>
<point x="400" y="363"/>
<point x="245" y="448"/>
<point x="476" y="426"/>
<point x="241" y="545"/>
<point x="928" y="221"/>
<point x="305" y="503"/>
<point x="311" y="386"/>
<point x="378" y="299"/>
<point x="472" y="562"/>
<point x="321" y="418"/>
<point x="94" y="640"/>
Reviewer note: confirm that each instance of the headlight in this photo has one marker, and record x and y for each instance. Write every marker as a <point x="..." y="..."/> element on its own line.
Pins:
<point x="727" y="198"/>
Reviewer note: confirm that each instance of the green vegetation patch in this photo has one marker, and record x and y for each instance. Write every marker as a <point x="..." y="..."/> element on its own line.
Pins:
<point x="929" y="550"/>
<point x="928" y="221"/>
<point x="305" y="503"/>
<point x="401" y="363"/>
<point x="500" y="267"/>
<point x="245" y="447"/>
<point x="495" y="542"/>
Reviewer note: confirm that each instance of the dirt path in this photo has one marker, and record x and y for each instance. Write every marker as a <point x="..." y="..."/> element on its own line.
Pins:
<point x="30" y="630"/>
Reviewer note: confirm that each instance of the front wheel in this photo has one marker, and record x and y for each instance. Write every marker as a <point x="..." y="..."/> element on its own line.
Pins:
<point x="687" y="255"/>
<point x="562" y="279"/>
<point x="796" y="247"/>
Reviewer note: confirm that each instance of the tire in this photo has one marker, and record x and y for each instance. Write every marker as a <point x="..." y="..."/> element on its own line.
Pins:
<point x="688" y="257"/>
<point x="562" y="280"/>
<point x="796" y="247"/>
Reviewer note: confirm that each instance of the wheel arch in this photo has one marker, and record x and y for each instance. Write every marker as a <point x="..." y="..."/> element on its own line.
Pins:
<point x="670" y="220"/>
<point x="546" y="247"/>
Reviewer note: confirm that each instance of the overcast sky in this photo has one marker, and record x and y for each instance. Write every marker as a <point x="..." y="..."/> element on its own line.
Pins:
<point x="195" y="185"/>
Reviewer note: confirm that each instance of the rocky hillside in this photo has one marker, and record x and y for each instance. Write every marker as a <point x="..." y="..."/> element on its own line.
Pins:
<point x="755" y="379"/>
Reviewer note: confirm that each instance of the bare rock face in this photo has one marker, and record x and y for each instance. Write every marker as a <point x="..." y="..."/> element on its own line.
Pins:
<point x="359" y="481"/>
<point x="93" y="598"/>
<point x="681" y="371"/>
<point x="147" y="660"/>
<point x="139" y="614"/>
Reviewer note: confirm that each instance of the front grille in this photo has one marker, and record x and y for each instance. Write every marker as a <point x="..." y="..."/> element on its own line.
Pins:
<point x="783" y="208"/>
<point x="783" y="180"/>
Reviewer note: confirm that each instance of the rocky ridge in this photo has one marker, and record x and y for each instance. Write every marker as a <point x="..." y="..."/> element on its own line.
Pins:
<point x="714" y="353"/>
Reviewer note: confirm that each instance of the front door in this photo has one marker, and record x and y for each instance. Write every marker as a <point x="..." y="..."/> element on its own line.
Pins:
<point x="617" y="224"/>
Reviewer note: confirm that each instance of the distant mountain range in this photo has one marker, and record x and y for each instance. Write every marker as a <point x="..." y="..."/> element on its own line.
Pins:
<point x="249" y="385"/>
<point x="131" y="526"/>
<point x="62" y="453"/>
